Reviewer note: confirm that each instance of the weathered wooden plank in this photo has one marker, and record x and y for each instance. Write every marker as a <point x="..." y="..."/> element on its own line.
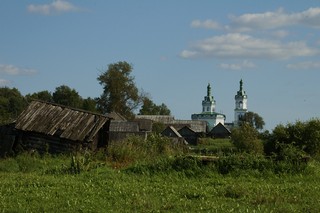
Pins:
<point x="52" y="119"/>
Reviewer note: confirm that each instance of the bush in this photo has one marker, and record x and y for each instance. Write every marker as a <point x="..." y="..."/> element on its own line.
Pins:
<point x="305" y="136"/>
<point x="245" y="138"/>
<point x="243" y="162"/>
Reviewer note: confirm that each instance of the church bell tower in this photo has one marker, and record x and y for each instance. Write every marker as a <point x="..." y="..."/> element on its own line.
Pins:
<point x="241" y="104"/>
<point x="208" y="103"/>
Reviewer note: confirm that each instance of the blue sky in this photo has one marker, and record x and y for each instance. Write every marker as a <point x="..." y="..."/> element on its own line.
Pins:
<point x="176" y="49"/>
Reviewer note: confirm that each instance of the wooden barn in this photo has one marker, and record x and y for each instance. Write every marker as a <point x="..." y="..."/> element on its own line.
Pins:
<point x="54" y="128"/>
<point x="220" y="131"/>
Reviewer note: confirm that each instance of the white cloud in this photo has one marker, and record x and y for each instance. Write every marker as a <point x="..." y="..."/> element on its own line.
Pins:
<point x="277" y="19"/>
<point x="207" y="24"/>
<point x="239" y="66"/>
<point x="236" y="45"/>
<point x="280" y="34"/>
<point x="4" y="82"/>
<point x="57" y="6"/>
<point x="13" y="70"/>
<point x="304" y="65"/>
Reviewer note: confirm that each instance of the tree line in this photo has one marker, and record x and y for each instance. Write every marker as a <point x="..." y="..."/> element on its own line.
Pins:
<point x="120" y="94"/>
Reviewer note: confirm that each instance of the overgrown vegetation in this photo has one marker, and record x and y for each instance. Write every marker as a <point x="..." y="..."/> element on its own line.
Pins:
<point x="303" y="136"/>
<point x="278" y="172"/>
<point x="210" y="146"/>
<point x="30" y="182"/>
<point x="135" y="149"/>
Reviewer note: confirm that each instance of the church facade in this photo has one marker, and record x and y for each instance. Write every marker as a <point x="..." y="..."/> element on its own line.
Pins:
<point x="213" y="118"/>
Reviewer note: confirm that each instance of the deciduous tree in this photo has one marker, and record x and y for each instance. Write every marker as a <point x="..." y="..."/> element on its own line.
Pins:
<point x="120" y="93"/>
<point x="253" y="119"/>
<point x="42" y="95"/>
<point x="12" y="103"/>
<point x="150" y="108"/>
<point x="66" y="96"/>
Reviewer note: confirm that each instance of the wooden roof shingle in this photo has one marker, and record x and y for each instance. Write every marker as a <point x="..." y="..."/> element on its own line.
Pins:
<point x="53" y="119"/>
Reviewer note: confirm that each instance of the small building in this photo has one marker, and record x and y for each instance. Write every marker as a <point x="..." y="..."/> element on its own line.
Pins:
<point x="120" y="130"/>
<point x="54" y="128"/>
<point x="220" y="131"/>
<point x="189" y="135"/>
<point x="175" y="136"/>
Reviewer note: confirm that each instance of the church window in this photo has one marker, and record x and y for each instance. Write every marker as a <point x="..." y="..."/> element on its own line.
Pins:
<point x="240" y="104"/>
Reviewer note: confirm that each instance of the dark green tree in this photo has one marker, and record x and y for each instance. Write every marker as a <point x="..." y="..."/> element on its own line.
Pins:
<point x="246" y="139"/>
<point x="253" y="119"/>
<point x="89" y="104"/>
<point x="66" y="96"/>
<point x="12" y="103"/>
<point x="42" y="95"/>
<point x="120" y="93"/>
<point x="150" y="108"/>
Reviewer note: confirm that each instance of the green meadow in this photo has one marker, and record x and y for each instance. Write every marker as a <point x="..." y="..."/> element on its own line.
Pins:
<point x="92" y="183"/>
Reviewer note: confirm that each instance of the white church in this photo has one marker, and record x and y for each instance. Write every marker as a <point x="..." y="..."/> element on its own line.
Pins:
<point x="213" y="118"/>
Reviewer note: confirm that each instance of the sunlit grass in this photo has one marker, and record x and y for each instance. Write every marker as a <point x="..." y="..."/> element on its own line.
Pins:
<point x="29" y="185"/>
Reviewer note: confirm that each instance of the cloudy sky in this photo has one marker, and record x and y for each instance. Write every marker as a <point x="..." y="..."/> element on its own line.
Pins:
<point x="176" y="49"/>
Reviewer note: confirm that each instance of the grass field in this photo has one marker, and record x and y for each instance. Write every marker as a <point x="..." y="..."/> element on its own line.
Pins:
<point x="210" y="146"/>
<point x="47" y="184"/>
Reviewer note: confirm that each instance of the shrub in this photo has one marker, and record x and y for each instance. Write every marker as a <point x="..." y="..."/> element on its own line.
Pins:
<point x="304" y="136"/>
<point x="245" y="138"/>
<point x="243" y="162"/>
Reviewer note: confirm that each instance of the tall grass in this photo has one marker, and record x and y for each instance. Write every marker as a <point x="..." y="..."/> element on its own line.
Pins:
<point x="210" y="146"/>
<point x="172" y="184"/>
<point x="134" y="149"/>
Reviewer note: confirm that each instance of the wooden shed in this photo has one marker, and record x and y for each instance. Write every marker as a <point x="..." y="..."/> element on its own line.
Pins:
<point x="119" y="130"/>
<point x="175" y="136"/>
<point x="220" y="131"/>
<point x="55" y="128"/>
<point x="189" y="135"/>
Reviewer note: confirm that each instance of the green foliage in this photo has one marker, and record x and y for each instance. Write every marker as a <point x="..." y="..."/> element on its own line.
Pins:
<point x="64" y="95"/>
<point x="303" y="135"/>
<point x="42" y="95"/>
<point x="211" y="146"/>
<point x="12" y="103"/>
<point x="185" y="165"/>
<point x="120" y="93"/>
<point x="150" y="108"/>
<point x="135" y="149"/>
<point x="244" y="162"/>
<point x="253" y="119"/>
<point x="89" y="104"/>
<point x="245" y="138"/>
